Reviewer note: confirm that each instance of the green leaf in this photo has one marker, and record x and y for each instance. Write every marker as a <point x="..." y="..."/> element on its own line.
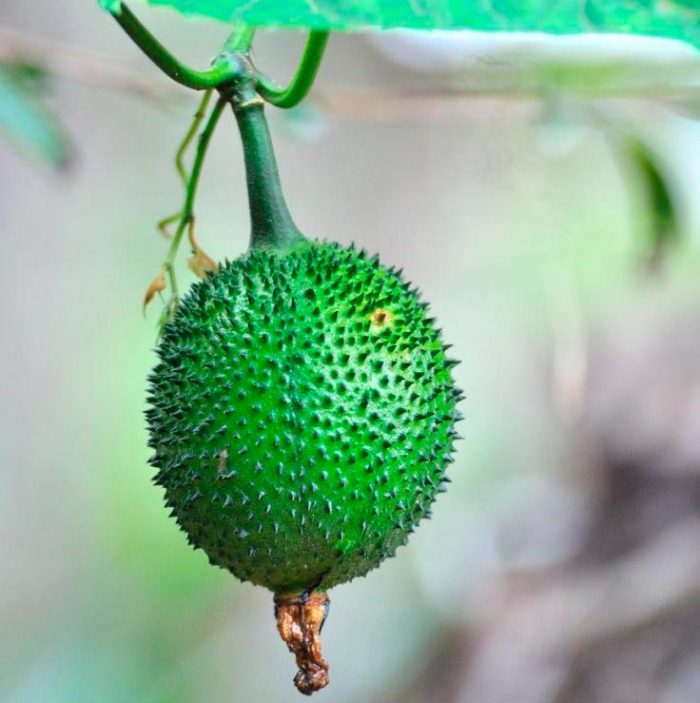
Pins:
<point x="25" y="121"/>
<point x="679" y="19"/>
<point x="665" y="230"/>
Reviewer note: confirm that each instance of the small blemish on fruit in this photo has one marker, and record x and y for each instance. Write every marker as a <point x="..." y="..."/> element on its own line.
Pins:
<point x="223" y="456"/>
<point x="381" y="319"/>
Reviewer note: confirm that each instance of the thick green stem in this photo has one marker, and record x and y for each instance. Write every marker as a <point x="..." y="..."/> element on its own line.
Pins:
<point x="271" y="223"/>
<point x="227" y="67"/>
<point x="304" y="77"/>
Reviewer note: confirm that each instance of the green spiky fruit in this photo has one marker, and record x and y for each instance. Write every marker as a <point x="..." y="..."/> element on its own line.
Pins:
<point x="302" y="415"/>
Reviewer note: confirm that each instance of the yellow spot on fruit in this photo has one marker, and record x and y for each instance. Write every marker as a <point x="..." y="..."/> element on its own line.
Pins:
<point x="381" y="318"/>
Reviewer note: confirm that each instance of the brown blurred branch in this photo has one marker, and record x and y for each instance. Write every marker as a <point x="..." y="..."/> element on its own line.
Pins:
<point x="440" y="104"/>
<point x="583" y="610"/>
<point x="528" y="649"/>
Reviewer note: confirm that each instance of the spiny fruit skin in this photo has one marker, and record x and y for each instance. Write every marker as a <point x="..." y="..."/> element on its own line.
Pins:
<point x="302" y="415"/>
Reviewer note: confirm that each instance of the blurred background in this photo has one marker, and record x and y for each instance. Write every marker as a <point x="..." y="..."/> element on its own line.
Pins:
<point x="544" y="196"/>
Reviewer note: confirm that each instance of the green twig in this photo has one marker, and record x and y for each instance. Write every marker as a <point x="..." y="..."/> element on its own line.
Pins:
<point x="187" y="214"/>
<point x="180" y="159"/>
<point x="225" y="68"/>
<point x="191" y="132"/>
<point x="304" y="77"/>
<point x="166" y="222"/>
<point x="231" y="64"/>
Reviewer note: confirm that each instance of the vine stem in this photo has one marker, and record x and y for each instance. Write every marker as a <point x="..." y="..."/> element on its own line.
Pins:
<point x="191" y="132"/>
<point x="224" y="70"/>
<point x="303" y="79"/>
<point x="232" y="65"/>
<point x="180" y="158"/>
<point x="187" y="215"/>
<point x="246" y="89"/>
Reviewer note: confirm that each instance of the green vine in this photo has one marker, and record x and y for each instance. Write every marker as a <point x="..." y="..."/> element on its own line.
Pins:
<point x="224" y="69"/>
<point x="180" y="159"/>
<point x="303" y="79"/>
<point x="186" y="216"/>
<point x="232" y="64"/>
<point x="241" y="85"/>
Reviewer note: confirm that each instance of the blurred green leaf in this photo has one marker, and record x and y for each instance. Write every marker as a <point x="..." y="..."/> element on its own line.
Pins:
<point x="665" y="229"/>
<point x="25" y="121"/>
<point x="679" y="19"/>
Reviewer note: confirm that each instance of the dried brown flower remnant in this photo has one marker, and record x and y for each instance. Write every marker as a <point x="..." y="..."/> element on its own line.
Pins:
<point x="300" y="620"/>
<point x="157" y="285"/>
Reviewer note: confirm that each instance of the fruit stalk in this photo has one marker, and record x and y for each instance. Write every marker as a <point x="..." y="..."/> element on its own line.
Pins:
<point x="272" y="225"/>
